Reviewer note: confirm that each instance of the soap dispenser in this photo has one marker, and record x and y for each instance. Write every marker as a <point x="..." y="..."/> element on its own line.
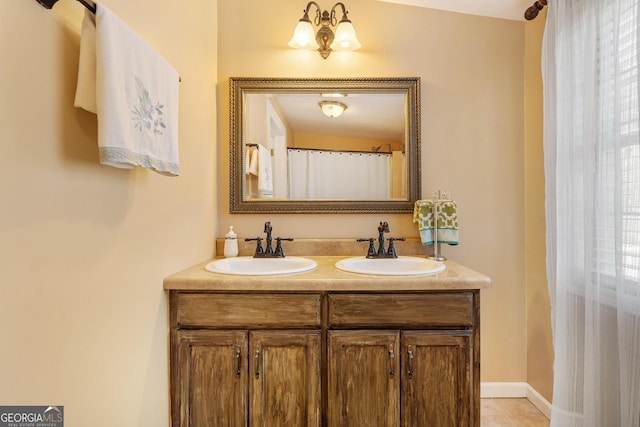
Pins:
<point x="231" y="243"/>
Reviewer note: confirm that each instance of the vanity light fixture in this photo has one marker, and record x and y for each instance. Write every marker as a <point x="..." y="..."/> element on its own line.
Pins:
<point x="332" y="109"/>
<point x="324" y="41"/>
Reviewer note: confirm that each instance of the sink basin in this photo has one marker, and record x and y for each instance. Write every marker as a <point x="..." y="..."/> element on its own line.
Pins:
<point x="401" y="266"/>
<point x="249" y="266"/>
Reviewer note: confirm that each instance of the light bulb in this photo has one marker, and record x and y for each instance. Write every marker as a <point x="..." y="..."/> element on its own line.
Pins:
<point x="304" y="36"/>
<point x="345" y="38"/>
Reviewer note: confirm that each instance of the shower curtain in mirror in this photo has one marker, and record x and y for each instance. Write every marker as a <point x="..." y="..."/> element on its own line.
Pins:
<point x="592" y="173"/>
<point x="318" y="174"/>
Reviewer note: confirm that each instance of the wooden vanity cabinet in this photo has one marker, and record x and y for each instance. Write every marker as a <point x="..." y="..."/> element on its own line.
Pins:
<point x="210" y="386"/>
<point x="437" y="379"/>
<point x="329" y="358"/>
<point x="363" y="378"/>
<point x="245" y="359"/>
<point x="403" y="359"/>
<point x="284" y="378"/>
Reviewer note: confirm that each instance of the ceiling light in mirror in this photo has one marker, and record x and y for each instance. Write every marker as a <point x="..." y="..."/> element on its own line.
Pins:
<point x="332" y="109"/>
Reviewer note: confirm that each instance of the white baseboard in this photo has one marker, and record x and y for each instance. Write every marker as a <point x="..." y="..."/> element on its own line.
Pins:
<point x="504" y="390"/>
<point x="516" y="390"/>
<point x="539" y="401"/>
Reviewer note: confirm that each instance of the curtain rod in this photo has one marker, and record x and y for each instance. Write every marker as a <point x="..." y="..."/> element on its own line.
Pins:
<point x="50" y="3"/>
<point x="530" y="13"/>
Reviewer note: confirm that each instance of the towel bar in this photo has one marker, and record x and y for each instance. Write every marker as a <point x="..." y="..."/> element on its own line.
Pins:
<point x="91" y="7"/>
<point x="50" y="3"/>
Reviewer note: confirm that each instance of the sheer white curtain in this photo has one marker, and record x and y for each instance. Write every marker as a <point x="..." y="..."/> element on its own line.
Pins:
<point x="318" y="174"/>
<point x="592" y="172"/>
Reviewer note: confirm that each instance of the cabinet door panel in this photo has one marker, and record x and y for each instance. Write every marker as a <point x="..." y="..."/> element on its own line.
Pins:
<point x="285" y="378"/>
<point x="212" y="379"/>
<point x="363" y="378"/>
<point x="436" y="386"/>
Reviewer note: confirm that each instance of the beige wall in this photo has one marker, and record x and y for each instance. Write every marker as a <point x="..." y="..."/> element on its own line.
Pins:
<point x="472" y="74"/>
<point x="84" y="247"/>
<point x="539" y="339"/>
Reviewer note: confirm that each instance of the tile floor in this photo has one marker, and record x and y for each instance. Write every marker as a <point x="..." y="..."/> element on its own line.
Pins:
<point x="510" y="413"/>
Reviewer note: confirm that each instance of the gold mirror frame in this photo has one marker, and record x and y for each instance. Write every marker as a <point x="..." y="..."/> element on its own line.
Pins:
<point x="238" y="87"/>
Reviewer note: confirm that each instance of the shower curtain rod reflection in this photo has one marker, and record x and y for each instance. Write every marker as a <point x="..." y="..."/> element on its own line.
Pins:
<point x="327" y="150"/>
<point x="376" y="149"/>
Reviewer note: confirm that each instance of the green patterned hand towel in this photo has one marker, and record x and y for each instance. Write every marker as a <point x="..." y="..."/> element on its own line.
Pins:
<point x="447" y="221"/>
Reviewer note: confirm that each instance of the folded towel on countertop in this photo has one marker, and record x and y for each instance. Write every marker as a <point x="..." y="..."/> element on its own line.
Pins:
<point x="447" y="212"/>
<point x="134" y="93"/>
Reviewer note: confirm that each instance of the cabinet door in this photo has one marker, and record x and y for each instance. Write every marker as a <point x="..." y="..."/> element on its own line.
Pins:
<point x="211" y="380"/>
<point x="363" y="378"/>
<point x="285" y="378"/>
<point x="436" y="385"/>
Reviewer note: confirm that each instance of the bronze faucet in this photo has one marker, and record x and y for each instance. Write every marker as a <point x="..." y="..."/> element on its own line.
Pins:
<point x="381" y="252"/>
<point x="268" y="251"/>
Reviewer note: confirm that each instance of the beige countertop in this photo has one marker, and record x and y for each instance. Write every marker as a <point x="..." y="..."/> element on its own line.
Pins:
<point x="326" y="277"/>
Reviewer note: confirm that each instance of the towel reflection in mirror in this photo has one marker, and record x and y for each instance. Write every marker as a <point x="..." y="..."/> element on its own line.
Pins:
<point x="259" y="170"/>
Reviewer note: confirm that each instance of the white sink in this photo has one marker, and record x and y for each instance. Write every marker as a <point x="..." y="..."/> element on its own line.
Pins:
<point x="401" y="266"/>
<point x="249" y="266"/>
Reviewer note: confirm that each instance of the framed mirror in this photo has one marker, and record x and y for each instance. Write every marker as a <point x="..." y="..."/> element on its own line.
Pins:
<point x="324" y="145"/>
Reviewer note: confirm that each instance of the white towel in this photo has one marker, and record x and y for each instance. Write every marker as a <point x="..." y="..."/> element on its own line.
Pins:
<point x="265" y="178"/>
<point x="86" y="86"/>
<point x="252" y="163"/>
<point x="136" y="95"/>
<point x="247" y="160"/>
